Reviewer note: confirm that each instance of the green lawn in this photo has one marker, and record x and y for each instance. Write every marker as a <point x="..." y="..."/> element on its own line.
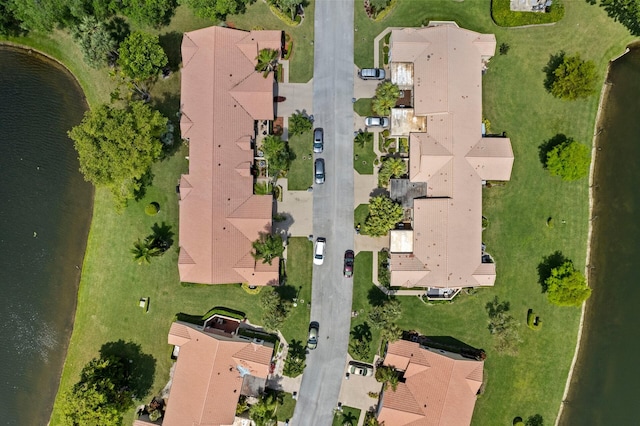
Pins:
<point x="365" y="294"/>
<point x="515" y="101"/>
<point x="360" y="214"/>
<point x="348" y="416"/>
<point x="300" y="175"/>
<point x="364" y="157"/>
<point x="298" y="285"/>
<point x="285" y="411"/>
<point x="362" y="107"/>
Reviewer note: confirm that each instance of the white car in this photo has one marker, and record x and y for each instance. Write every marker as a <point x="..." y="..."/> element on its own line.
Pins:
<point x="376" y="122"/>
<point x="318" y="253"/>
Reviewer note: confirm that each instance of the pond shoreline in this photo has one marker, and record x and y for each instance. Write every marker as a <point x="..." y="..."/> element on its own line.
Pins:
<point x="604" y="94"/>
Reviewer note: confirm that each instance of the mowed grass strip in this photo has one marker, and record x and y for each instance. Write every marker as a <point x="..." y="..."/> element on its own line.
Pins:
<point x="300" y="174"/>
<point x="515" y="101"/>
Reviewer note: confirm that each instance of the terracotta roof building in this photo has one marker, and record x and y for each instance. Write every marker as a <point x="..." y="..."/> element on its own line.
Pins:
<point x="222" y="97"/>
<point x="209" y="376"/>
<point x="437" y="388"/>
<point x="441" y="67"/>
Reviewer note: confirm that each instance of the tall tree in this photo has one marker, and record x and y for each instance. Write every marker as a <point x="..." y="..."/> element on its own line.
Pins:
<point x="384" y="214"/>
<point x="503" y="326"/>
<point x="9" y="23"/>
<point x="391" y="167"/>
<point x="96" y="41"/>
<point x="217" y="9"/>
<point x="155" y="13"/>
<point x="116" y="147"/>
<point x="43" y="15"/>
<point x="362" y="138"/>
<point x="101" y="396"/>
<point x="382" y="316"/>
<point x="387" y="94"/>
<point x="144" y="250"/>
<point x="570" y="160"/>
<point x="277" y="154"/>
<point x="299" y="123"/>
<point x="267" y="248"/>
<point x="275" y="310"/>
<point x="388" y="376"/>
<point x="567" y="286"/>
<point x="263" y="413"/>
<point x="569" y="77"/>
<point x="141" y="57"/>
<point x="267" y="61"/>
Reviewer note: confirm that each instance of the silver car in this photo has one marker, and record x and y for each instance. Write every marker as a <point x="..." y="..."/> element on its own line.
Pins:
<point x="318" y="140"/>
<point x="376" y="122"/>
<point x="319" y="171"/>
<point x="312" y="342"/>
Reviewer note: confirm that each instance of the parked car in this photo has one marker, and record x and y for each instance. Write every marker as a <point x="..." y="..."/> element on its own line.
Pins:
<point x="318" y="253"/>
<point x="371" y="74"/>
<point x="319" y="171"/>
<point x="360" y="369"/>
<point x="318" y="140"/>
<point x="376" y="122"/>
<point x="348" y="263"/>
<point x="312" y="342"/>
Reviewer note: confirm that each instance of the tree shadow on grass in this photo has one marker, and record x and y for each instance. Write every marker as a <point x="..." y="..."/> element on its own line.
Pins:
<point x="547" y="146"/>
<point x="141" y="367"/>
<point x="362" y="332"/>
<point x="549" y="263"/>
<point x="550" y="68"/>
<point x="171" y="43"/>
<point x="376" y="297"/>
<point x="297" y="349"/>
<point x="163" y="235"/>
<point x="287" y="292"/>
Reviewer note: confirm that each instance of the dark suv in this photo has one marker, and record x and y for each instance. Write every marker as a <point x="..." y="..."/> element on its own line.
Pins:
<point x="371" y="74"/>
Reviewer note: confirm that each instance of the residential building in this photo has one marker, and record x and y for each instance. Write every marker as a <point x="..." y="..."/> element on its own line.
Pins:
<point x="215" y="365"/>
<point x="222" y="100"/>
<point x="437" y="388"/>
<point x="439" y="71"/>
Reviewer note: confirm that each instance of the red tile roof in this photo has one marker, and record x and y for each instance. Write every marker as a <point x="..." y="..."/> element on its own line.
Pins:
<point x="221" y="98"/>
<point x="452" y="157"/>
<point x="438" y="389"/>
<point x="206" y="381"/>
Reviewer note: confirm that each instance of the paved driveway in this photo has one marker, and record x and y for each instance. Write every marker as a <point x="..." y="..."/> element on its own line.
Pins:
<point x="333" y="211"/>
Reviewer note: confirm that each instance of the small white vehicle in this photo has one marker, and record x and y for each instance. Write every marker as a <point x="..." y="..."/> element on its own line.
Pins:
<point x="318" y="253"/>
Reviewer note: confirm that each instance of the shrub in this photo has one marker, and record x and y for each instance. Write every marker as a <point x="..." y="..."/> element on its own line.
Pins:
<point x="220" y="310"/>
<point x="152" y="209"/>
<point x="485" y="222"/>
<point x="373" y="395"/>
<point x="504" y="17"/>
<point x="504" y="48"/>
<point x="385" y="133"/>
<point x="550" y="222"/>
<point x="284" y="17"/>
<point x="533" y="322"/>
<point x="387" y="38"/>
<point x="250" y="290"/>
<point x="384" y="12"/>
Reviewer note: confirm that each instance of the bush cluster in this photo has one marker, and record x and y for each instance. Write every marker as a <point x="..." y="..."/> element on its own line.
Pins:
<point x="504" y="17"/>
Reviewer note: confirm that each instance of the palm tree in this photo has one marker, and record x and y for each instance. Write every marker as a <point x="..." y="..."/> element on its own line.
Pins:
<point x="388" y="376"/>
<point x="391" y="167"/>
<point x="362" y="138"/>
<point x="267" y="61"/>
<point x="263" y="413"/>
<point x="144" y="250"/>
<point x="267" y="248"/>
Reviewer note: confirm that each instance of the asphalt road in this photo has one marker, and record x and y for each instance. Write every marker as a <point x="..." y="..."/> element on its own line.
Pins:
<point x="332" y="211"/>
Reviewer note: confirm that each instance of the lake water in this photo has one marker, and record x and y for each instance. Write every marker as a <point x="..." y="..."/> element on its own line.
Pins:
<point x="605" y="382"/>
<point x="45" y="211"/>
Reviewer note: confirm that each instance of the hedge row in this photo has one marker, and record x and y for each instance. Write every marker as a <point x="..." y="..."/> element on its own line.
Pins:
<point x="219" y="310"/>
<point x="504" y="17"/>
